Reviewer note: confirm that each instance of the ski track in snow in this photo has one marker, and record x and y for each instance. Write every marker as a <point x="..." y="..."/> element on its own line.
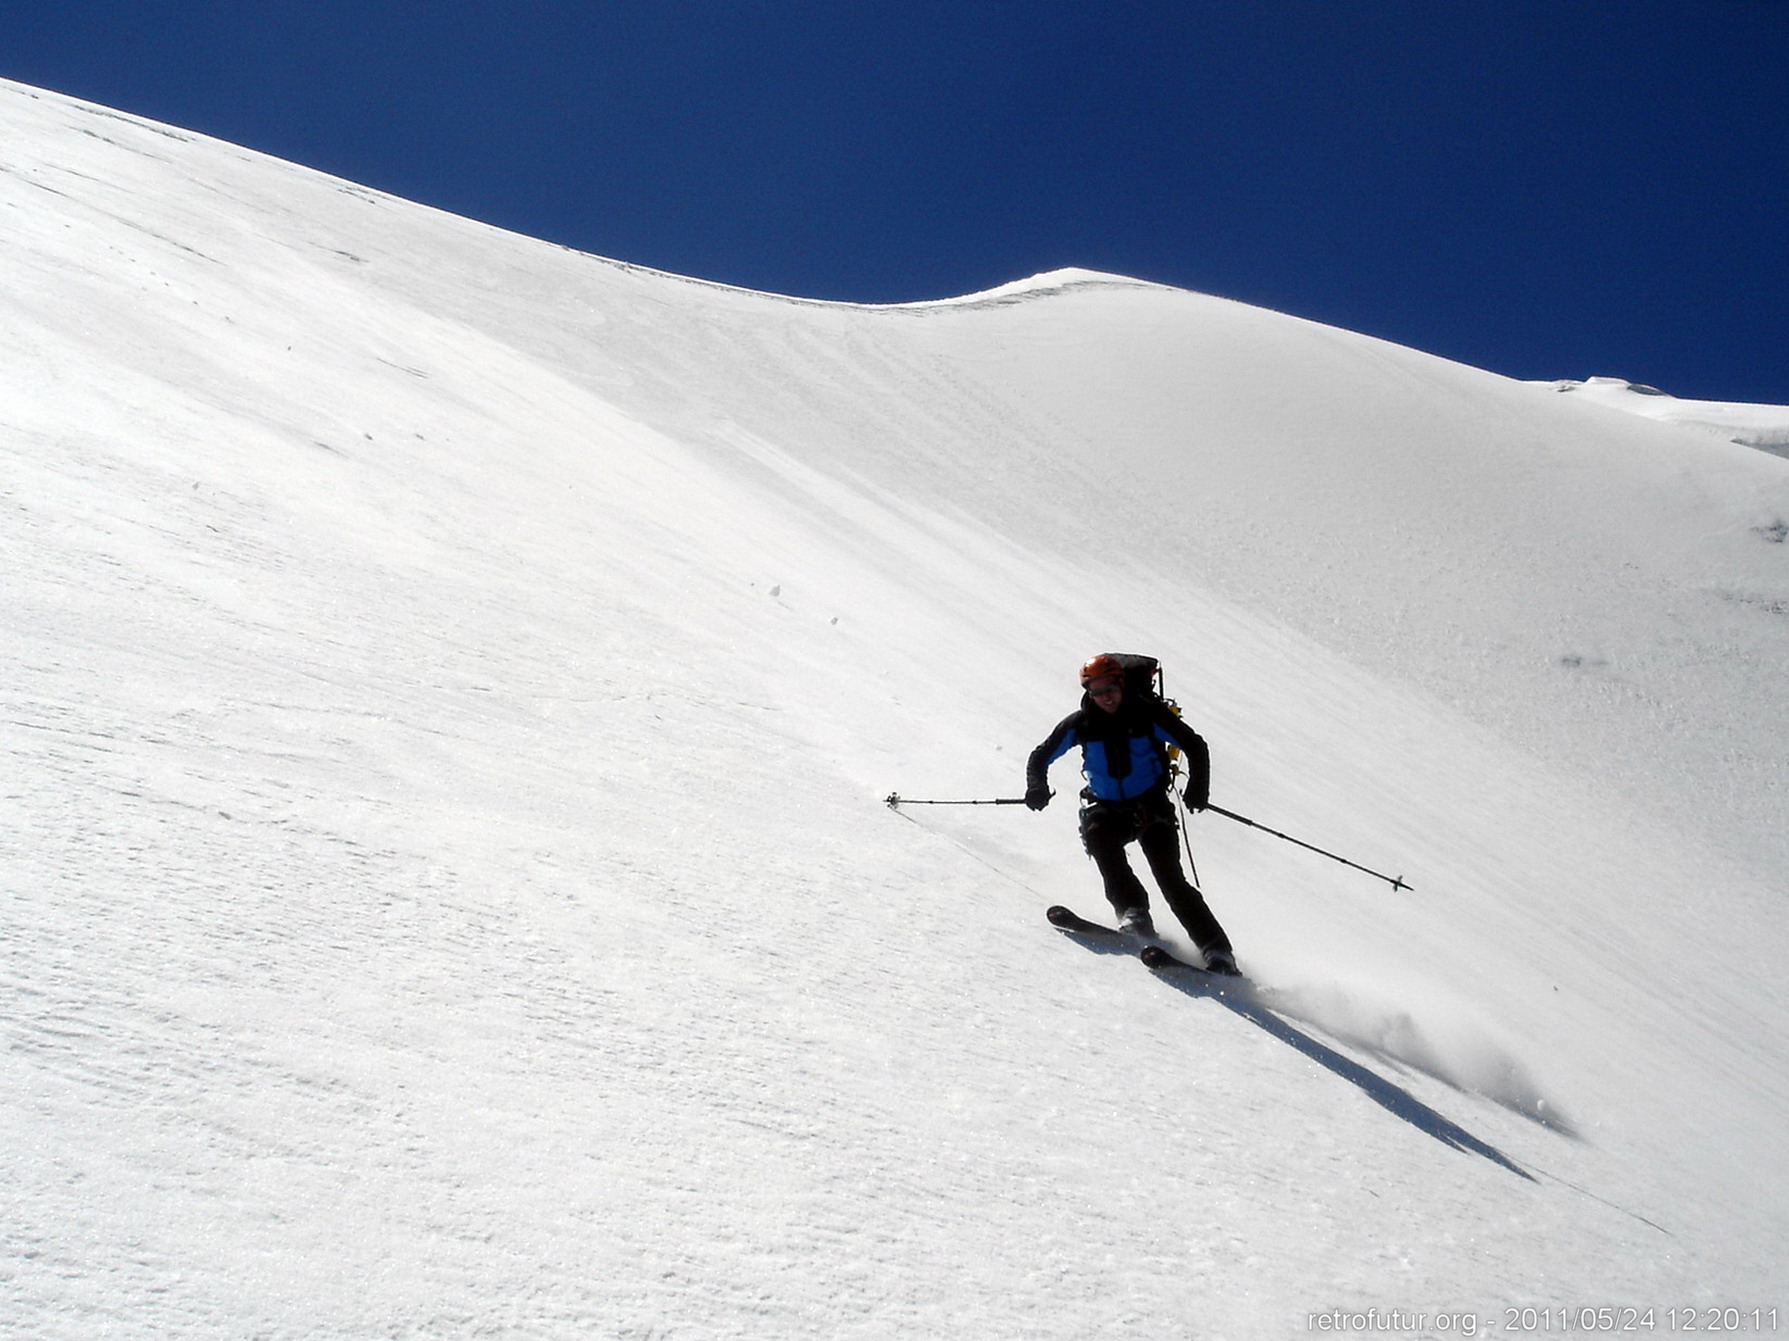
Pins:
<point x="448" y="687"/>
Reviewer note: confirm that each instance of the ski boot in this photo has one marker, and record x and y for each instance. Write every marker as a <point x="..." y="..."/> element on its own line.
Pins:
<point x="1220" y="959"/>
<point x="1137" y="922"/>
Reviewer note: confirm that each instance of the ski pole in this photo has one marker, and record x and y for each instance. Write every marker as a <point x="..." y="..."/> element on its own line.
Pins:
<point x="894" y="799"/>
<point x="1243" y="819"/>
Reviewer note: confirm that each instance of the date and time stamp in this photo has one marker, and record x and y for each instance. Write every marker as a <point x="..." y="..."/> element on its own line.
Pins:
<point x="1559" y="1320"/>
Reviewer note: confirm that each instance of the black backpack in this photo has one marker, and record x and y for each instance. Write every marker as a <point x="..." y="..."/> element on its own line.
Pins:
<point x="1142" y="675"/>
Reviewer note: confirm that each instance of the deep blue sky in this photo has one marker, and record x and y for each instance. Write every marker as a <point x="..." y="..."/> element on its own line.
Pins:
<point x="1546" y="188"/>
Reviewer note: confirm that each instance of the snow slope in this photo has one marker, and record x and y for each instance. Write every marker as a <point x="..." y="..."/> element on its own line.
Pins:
<point x="449" y="687"/>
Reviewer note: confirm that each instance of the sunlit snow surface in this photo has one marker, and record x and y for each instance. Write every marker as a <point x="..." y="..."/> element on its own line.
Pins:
<point x="450" y="682"/>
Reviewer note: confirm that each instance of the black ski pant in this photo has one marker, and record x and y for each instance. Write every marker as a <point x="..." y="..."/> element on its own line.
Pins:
<point x="1108" y="827"/>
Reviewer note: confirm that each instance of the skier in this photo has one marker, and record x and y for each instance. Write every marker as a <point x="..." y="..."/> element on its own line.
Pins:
<point x="1124" y="737"/>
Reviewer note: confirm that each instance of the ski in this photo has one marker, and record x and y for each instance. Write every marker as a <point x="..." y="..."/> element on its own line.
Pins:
<point x="1155" y="956"/>
<point x="1158" y="957"/>
<point x="1067" y="919"/>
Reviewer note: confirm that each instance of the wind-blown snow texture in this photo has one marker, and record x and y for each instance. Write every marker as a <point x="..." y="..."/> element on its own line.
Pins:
<point x="448" y="686"/>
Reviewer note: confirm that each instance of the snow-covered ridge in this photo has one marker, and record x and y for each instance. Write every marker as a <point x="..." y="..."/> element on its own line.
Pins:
<point x="449" y="687"/>
<point x="1049" y="283"/>
<point x="1762" y="426"/>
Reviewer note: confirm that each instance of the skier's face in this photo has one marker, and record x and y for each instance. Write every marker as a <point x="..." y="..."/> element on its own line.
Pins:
<point x="1107" y="691"/>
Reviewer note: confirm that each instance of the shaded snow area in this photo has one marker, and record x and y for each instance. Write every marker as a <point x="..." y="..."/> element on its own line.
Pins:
<point x="449" y="688"/>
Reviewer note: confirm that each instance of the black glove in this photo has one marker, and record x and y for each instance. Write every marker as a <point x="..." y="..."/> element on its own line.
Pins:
<point x="1036" y="798"/>
<point x="1197" y="798"/>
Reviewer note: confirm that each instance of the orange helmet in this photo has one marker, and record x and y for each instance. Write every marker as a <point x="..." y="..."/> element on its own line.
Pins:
<point x="1101" y="666"/>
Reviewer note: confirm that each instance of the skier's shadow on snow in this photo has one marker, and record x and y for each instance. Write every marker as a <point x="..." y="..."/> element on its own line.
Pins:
<point x="1239" y="998"/>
